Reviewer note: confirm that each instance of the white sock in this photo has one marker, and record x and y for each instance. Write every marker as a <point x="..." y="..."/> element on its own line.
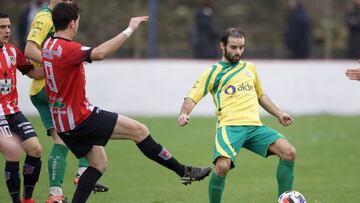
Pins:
<point x="56" y="191"/>
<point x="81" y="170"/>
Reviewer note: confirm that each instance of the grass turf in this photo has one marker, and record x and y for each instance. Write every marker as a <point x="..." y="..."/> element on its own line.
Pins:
<point x="327" y="166"/>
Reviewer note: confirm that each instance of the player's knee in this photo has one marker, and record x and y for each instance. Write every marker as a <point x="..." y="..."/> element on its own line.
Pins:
<point x="37" y="150"/>
<point x="101" y="166"/>
<point x="222" y="167"/>
<point x="289" y="153"/>
<point x="34" y="150"/>
<point x="141" y="131"/>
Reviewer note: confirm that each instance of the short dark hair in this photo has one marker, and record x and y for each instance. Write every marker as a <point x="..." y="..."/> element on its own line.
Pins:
<point x="63" y="14"/>
<point x="3" y="15"/>
<point x="231" y="32"/>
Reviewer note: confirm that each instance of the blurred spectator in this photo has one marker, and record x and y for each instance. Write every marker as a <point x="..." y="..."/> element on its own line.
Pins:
<point x="25" y="19"/>
<point x="298" y="31"/>
<point x="353" y="23"/>
<point x="204" y="37"/>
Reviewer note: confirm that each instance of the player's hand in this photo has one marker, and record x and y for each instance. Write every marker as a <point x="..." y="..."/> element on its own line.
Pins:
<point x="136" y="21"/>
<point x="285" y="119"/>
<point x="183" y="119"/>
<point x="353" y="74"/>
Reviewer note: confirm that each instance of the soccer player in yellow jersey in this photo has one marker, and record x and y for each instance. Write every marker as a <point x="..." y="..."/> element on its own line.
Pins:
<point x="237" y="93"/>
<point x="353" y="74"/>
<point x="42" y="28"/>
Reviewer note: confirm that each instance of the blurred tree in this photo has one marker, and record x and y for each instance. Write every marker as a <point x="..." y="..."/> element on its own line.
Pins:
<point x="262" y="20"/>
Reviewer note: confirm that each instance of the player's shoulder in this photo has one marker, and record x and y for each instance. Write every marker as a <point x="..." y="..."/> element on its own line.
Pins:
<point x="77" y="46"/>
<point x="8" y="45"/>
<point x="14" y="51"/>
<point x="216" y="66"/>
<point x="71" y="46"/>
<point x="250" y="65"/>
<point x="44" y="11"/>
<point x="211" y="68"/>
<point x="11" y="46"/>
<point x="67" y="42"/>
<point x="44" y="15"/>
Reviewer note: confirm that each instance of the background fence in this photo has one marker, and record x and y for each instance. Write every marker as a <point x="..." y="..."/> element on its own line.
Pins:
<point x="157" y="87"/>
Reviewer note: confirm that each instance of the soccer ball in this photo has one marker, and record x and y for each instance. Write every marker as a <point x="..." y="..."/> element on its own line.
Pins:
<point x="291" y="197"/>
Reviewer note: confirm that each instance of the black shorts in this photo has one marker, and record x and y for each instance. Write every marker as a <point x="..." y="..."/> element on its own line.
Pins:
<point x="17" y="124"/>
<point x="95" y="130"/>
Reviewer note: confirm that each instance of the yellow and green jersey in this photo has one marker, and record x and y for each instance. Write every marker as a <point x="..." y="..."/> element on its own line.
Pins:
<point x="42" y="27"/>
<point x="235" y="89"/>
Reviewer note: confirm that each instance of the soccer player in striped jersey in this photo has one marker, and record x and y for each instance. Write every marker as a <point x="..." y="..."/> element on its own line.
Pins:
<point x="236" y="89"/>
<point x="84" y="128"/>
<point x="41" y="29"/>
<point x="12" y="121"/>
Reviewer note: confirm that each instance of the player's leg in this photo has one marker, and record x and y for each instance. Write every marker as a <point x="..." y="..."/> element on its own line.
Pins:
<point x="83" y="164"/>
<point x="217" y="179"/>
<point x="11" y="150"/>
<point x="57" y="163"/>
<point x="285" y="169"/>
<point x="98" y="164"/>
<point x="23" y="129"/>
<point x="32" y="165"/>
<point x="87" y="140"/>
<point x="56" y="166"/>
<point x="266" y="141"/>
<point x="228" y="141"/>
<point x="57" y="157"/>
<point x="127" y="128"/>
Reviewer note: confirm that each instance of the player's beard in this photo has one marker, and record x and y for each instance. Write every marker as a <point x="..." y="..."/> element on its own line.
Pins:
<point x="232" y="58"/>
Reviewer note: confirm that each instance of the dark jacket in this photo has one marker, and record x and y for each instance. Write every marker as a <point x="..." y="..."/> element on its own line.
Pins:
<point x="298" y="33"/>
<point x="204" y="38"/>
<point x="353" y="23"/>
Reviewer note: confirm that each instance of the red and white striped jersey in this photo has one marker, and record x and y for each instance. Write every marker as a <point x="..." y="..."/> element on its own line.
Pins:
<point x="11" y="59"/>
<point x="63" y="61"/>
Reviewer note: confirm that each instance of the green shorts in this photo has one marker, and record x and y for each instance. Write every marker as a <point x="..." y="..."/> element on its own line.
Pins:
<point x="41" y="102"/>
<point x="229" y="140"/>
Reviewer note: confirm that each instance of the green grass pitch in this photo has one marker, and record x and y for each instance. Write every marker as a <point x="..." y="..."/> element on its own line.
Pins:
<point x="327" y="167"/>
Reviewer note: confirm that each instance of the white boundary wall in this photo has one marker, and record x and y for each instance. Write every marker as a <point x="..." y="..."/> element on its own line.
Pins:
<point x="157" y="87"/>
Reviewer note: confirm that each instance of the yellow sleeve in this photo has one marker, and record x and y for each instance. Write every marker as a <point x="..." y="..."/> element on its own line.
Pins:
<point x="40" y="28"/>
<point x="258" y="87"/>
<point x="201" y="86"/>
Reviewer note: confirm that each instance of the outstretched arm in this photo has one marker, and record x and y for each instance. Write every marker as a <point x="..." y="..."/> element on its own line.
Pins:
<point x="186" y="108"/>
<point x="109" y="47"/>
<point x="284" y="118"/>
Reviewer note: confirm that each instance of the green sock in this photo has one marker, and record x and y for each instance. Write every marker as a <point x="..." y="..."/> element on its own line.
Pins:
<point x="216" y="187"/>
<point x="285" y="176"/>
<point x="57" y="164"/>
<point x="83" y="162"/>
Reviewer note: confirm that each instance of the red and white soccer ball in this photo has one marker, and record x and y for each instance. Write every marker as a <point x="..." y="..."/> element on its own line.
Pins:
<point x="291" y="197"/>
